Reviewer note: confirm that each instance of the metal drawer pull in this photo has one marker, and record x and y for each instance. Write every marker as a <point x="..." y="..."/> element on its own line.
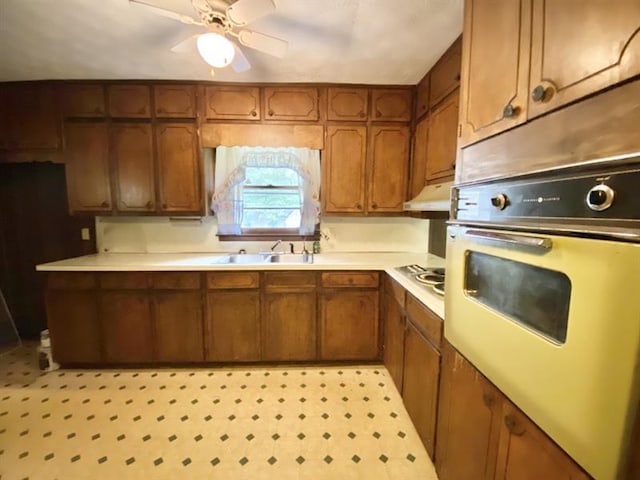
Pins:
<point x="520" y="240"/>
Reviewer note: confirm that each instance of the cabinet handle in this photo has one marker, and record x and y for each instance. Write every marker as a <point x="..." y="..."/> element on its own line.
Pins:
<point x="271" y="113"/>
<point x="458" y="77"/>
<point x="141" y="110"/>
<point x="510" y="111"/>
<point x="160" y="110"/>
<point x="104" y="204"/>
<point x="359" y="206"/>
<point x="540" y="94"/>
<point x="374" y="205"/>
<point x="378" y="114"/>
<point x="97" y="110"/>
<point x="361" y="114"/>
<point x="164" y="205"/>
<point x="253" y="113"/>
<point x="488" y="399"/>
<point x="149" y="204"/>
<point x="512" y="425"/>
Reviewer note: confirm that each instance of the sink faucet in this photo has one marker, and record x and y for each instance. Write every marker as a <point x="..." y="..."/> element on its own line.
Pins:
<point x="291" y="249"/>
<point x="276" y="244"/>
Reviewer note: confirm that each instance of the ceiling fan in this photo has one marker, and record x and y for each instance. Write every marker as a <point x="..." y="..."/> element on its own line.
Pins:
<point x="223" y="22"/>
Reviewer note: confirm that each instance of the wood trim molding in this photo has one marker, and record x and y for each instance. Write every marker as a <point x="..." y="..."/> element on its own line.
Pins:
<point x="229" y="134"/>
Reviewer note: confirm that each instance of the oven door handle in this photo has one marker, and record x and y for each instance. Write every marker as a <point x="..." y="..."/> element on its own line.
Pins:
<point x="537" y="243"/>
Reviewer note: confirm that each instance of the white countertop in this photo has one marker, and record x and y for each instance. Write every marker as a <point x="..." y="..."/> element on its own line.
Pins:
<point x="109" y="262"/>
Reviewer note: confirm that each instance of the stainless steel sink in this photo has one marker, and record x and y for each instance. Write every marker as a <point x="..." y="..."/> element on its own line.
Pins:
<point x="291" y="258"/>
<point x="244" y="258"/>
<point x="257" y="258"/>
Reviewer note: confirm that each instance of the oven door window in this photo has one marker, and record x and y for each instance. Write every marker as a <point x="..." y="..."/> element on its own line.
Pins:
<point x="534" y="297"/>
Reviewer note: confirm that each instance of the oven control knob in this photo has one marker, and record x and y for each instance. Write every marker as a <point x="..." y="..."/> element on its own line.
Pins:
<point x="499" y="201"/>
<point x="600" y="197"/>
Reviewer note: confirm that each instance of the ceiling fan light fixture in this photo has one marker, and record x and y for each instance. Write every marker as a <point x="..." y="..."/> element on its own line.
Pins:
<point x="215" y="49"/>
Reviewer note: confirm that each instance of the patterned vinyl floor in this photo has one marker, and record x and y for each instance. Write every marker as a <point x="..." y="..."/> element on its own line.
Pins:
<point x="204" y="423"/>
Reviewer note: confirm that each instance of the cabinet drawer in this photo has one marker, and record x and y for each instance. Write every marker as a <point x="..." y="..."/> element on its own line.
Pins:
<point x="124" y="281"/>
<point x="393" y="288"/>
<point x="350" y="279"/>
<point x="290" y="280"/>
<point x="425" y="320"/>
<point x="223" y="280"/>
<point x="75" y="281"/>
<point x="176" y="281"/>
<point x="175" y="101"/>
<point x="129" y="101"/>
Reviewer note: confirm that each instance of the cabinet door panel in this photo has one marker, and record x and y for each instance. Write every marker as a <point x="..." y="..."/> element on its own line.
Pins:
<point x="289" y="326"/>
<point x="579" y="50"/>
<point x="175" y="101"/>
<point x="129" y="101"/>
<point x="347" y="104"/>
<point x="390" y="105"/>
<point x="495" y="67"/>
<point x="443" y="139"/>
<point x="126" y="323"/>
<point x="233" y="320"/>
<point x="238" y="103"/>
<point x="393" y="352"/>
<point x="422" y="96"/>
<point x="389" y="163"/>
<point x="445" y="75"/>
<point x="83" y="100"/>
<point x="349" y="325"/>
<point x="87" y="167"/>
<point x="178" y="168"/>
<point x="420" y="385"/>
<point x="344" y="169"/>
<point x="178" y="326"/>
<point x="419" y="164"/>
<point x="291" y="103"/>
<point x="73" y="322"/>
<point x="132" y="155"/>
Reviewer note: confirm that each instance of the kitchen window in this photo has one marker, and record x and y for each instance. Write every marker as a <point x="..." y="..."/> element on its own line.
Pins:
<point x="263" y="193"/>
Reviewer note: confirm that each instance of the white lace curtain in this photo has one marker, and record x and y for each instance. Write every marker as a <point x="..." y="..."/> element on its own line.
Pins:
<point x="231" y="164"/>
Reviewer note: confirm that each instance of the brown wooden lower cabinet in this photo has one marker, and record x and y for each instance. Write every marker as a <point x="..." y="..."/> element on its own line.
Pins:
<point x="393" y="347"/>
<point x="178" y="326"/>
<point x="233" y="321"/>
<point x="126" y="326"/>
<point x="420" y="385"/>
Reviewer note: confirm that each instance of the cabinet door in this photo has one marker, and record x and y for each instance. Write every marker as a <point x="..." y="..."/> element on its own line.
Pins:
<point x="443" y="139"/>
<point x="468" y="421"/>
<point x="126" y="323"/>
<point x="349" y="325"/>
<point x="347" y="104"/>
<point x="73" y="322"/>
<point x="445" y="75"/>
<point x="393" y="350"/>
<point x="495" y="67"/>
<point x="580" y="49"/>
<point x="422" y="96"/>
<point x="388" y="166"/>
<point x="132" y="156"/>
<point x="390" y="105"/>
<point x="291" y="103"/>
<point x="129" y="101"/>
<point x="289" y="325"/>
<point x="233" y="326"/>
<point x="344" y="169"/>
<point x="420" y="385"/>
<point x="178" y="168"/>
<point x="178" y="325"/>
<point x="87" y="167"/>
<point x="174" y="101"/>
<point x="526" y="453"/>
<point x="32" y="122"/>
<point x="419" y="163"/>
<point x="233" y="103"/>
<point x="83" y="100"/>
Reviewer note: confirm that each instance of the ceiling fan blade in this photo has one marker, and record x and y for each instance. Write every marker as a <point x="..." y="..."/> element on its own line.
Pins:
<point x="246" y="11"/>
<point x="264" y="43"/>
<point x="163" y="12"/>
<point x="240" y="62"/>
<point x="186" y="45"/>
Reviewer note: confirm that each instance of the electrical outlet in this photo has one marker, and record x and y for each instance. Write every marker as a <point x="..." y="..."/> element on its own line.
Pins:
<point x="85" y="234"/>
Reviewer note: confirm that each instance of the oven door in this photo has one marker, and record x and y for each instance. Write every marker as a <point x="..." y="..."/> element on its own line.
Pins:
<point x="554" y="322"/>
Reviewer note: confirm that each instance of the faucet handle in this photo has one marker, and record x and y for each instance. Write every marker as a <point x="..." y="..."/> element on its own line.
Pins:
<point x="291" y="247"/>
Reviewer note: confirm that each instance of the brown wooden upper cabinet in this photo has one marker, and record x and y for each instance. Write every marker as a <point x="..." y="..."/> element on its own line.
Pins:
<point x="291" y="103"/>
<point x="422" y="96"/>
<point x="83" y="100"/>
<point x="390" y="105"/>
<point x="87" y="167"/>
<point x="442" y="139"/>
<point x="347" y="104"/>
<point x="419" y="164"/>
<point x="537" y="56"/>
<point x="344" y="169"/>
<point x="445" y="74"/>
<point x="129" y="101"/>
<point x="174" y="101"/>
<point x="232" y="103"/>
<point x="178" y="164"/>
<point x="389" y="162"/>
<point x="133" y="166"/>
<point x="29" y="117"/>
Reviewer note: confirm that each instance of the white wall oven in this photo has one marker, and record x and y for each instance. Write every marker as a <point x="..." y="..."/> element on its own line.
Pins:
<point x="543" y="296"/>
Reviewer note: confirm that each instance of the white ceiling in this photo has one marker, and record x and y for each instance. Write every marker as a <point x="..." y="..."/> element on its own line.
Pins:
<point x="341" y="41"/>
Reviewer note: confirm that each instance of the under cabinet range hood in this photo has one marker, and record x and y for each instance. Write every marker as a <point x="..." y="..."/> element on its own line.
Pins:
<point x="432" y="198"/>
